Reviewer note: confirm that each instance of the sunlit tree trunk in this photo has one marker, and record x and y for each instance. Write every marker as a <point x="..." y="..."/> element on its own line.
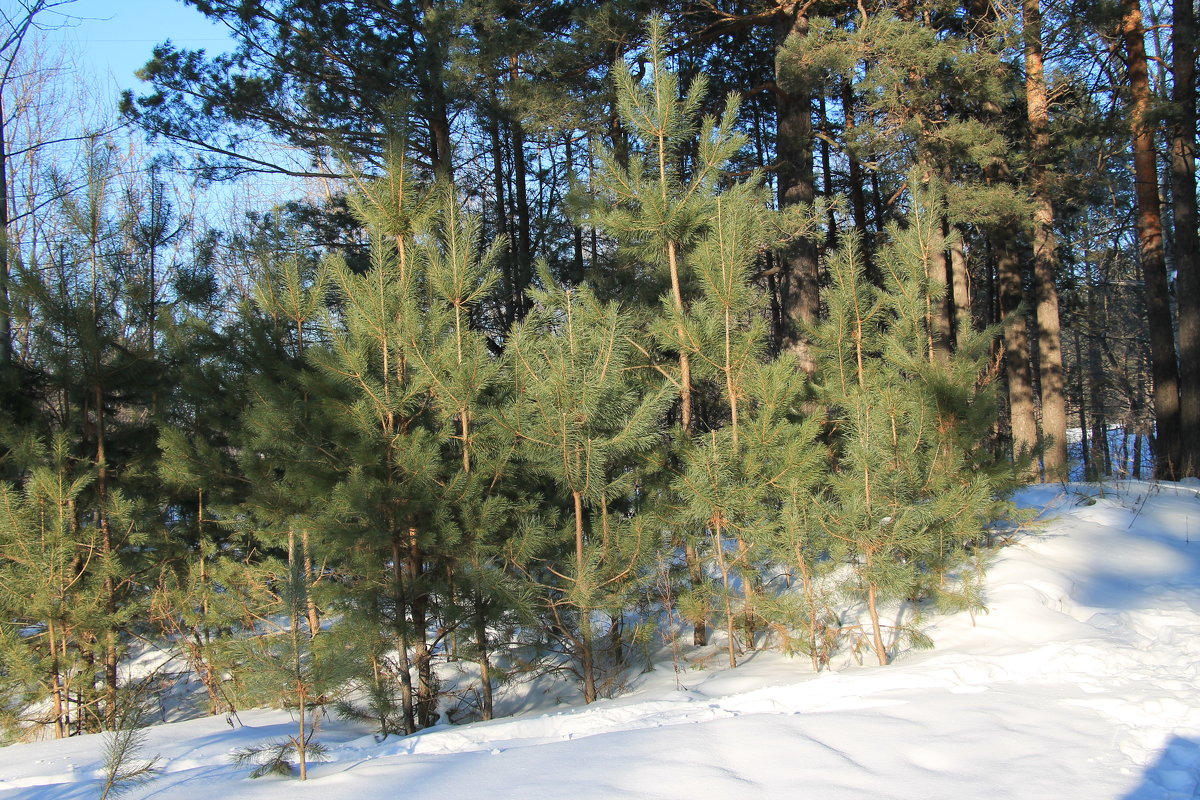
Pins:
<point x="1022" y="417"/>
<point x="1150" y="244"/>
<point x="800" y="297"/>
<point x="1045" y="260"/>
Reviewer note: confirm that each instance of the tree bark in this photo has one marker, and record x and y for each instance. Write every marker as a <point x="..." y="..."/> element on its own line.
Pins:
<point x="422" y="654"/>
<point x="1099" y="461"/>
<point x="881" y="652"/>
<point x="800" y="298"/>
<point x="587" y="661"/>
<point x="1187" y="243"/>
<point x="311" y="612"/>
<point x="1150" y="243"/>
<point x="831" y="232"/>
<point x="858" y="196"/>
<point x="960" y="281"/>
<point x="509" y="266"/>
<point x="484" y="658"/>
<point x="6" y="342"/>
<point x="400" y="601"/>
<point x="940" y="328"/>
<point x="524" y="240"/>
<point x="1045" y="260"/>
<point x="577" y="269"/>
<point x="1022" y="416"/>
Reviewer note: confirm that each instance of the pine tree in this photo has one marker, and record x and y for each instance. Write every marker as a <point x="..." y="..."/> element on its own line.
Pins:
<point x="718" y="496"/>
<point x="418" y="481"/>
<point x="453" y="363"/>
<point x="911" y="486"/>
<point x="784" y="456"/>
<point x="44" y="552"/>
<point x="290" y="666"/>
<point x="731" y="479"/>
<point x="581" y="419"/>
<point x="386" y="454"/>
<point x="658" y="199"/>
<point x="1165" y="365"/>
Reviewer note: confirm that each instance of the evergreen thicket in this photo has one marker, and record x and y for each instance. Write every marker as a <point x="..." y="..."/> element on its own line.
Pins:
<point x="608" y="324"/>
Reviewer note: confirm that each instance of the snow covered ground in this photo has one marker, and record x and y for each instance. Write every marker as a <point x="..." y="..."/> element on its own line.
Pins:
<point x="1083" y="681"/>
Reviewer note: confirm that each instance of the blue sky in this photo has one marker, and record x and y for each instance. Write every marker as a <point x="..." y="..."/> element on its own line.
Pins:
<point x="113" y="38"/>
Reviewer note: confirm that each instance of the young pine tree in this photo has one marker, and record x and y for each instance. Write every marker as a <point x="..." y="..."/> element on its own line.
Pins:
<point x="911" y="486"/>
<point x="43" y="550"/>
<point x="581" y="420"/>
<point x="291" y="666"/>
<point x="659" y="200"/>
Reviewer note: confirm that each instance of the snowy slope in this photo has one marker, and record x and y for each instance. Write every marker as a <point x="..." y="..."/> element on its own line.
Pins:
<point x="1082" y="682"/>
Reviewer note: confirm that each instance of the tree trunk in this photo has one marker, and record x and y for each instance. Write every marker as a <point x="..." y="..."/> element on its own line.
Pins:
<point x="524" y="243"/>
<point x="1081" y="395"/>
<point x="800" y="298"/>
<point x="881" y="652"/>
<point x="831" y="232"/>
<point x="699" y="631"/>
<point x="422" y="655"/>
<point x="6" y="342"/>
<point x="1100" y="462"/>
<point x="937" y="271"/>
<point x="1045" y="260"/>
<point x="696" y="575"/>
<point x="56" y="693"/>
<point x="858" y="197"/>
<point x="960" y="281"/>
<point x="485" y="667"/>
<point x="726" y="591"/>
<point x="1187" y="243"/>
<point x="302" y="740"/>
<point x="310" y="605"/>
<point x="940" y="328"/>
<point x="436" y="105"/>
<point x="577" y="270"/>
<point x="585" y="612"/>
<point x="509" y="265"/>
<point x="106" y="549"/>
<point x="400" y="603"/>
<point x="1022" y="413"/>
<point x="1150" y="243"/>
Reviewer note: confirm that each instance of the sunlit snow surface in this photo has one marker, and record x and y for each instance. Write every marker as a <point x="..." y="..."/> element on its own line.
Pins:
<point x="1080" y="682"/>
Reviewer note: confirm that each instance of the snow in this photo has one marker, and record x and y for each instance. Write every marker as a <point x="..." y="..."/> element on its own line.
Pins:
<point x="1081" y="681"/>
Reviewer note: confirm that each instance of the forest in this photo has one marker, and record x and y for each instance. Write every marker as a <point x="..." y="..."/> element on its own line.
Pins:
<point x="404" y="342"/>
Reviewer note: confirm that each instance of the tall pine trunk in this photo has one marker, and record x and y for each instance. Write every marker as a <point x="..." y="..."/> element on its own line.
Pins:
<point x="858" y="196"/>
<point x="1187" y="243"/>
<point x="6" y="342"/>
<point x="484" y="658"/>
<point x="1150" y="244"/>
<point x="1022" y="414"/>
<point x="524" y="242"/>
<point x="960" y="280"/>
<point x="418" y="607"/>
<point x="800" y="297"/>
<point x="1045" y="261"/>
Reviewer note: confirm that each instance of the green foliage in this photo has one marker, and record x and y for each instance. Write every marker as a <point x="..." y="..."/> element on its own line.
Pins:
<point x="50" y="606"/>
<point x="582" y="421"/>
<point x="659" y="193"/>
<point x="912" y="483"/>
<point x="277" y="758"/>
<point x="125" y="766"/>
<point x="354" y="473"/>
